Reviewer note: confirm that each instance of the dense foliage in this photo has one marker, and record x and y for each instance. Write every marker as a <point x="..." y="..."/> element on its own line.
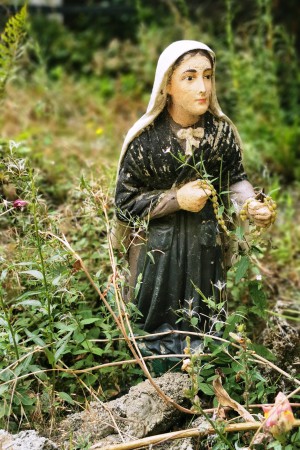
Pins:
<point x="62" y="131"/>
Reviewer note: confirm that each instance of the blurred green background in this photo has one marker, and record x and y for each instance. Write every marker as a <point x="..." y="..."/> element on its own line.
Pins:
<point x="91" y="65"/>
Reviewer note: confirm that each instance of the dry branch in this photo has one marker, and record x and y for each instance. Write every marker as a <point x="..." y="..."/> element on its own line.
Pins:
<point x="192" y="432"/>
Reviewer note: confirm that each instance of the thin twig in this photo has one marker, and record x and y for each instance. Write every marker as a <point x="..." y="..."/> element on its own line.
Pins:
<point x="270" y="364"/>
<point x="192" y="432"/>
<point x="166" y="333"/>
<point x="253" y="406"/>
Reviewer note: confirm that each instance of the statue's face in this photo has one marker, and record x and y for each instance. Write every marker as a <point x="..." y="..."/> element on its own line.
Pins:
<point x="190" y="89"/>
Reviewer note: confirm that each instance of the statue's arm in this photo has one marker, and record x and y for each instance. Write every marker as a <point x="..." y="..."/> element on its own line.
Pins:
<point x="134" y="198"/>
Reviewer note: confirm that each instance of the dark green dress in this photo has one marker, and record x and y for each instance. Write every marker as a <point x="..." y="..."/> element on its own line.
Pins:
<point x="182" y="259"/>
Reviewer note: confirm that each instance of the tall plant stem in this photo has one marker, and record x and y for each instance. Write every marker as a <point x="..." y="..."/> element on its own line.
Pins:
<point x="41" y="257"/>
<point x="46" y="290"/>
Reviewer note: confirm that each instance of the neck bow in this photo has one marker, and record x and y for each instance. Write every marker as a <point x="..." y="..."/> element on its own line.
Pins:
<point x="192" y="136"/>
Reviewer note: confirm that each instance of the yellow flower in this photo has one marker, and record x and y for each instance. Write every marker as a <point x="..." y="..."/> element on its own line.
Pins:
<point x="99" y="131"/>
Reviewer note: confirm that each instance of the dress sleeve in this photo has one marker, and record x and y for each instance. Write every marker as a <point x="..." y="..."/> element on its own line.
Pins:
<point x="136" y="198"/>
<point x="240" y="192"/>
<point x="240" y="189"/>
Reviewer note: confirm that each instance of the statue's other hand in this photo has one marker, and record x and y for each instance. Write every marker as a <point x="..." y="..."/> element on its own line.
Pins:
<point x="259" y="213"/>
<point x="192" y="196"/>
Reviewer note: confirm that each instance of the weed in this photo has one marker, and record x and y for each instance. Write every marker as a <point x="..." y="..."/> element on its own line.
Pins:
<point x="57" y="318"/>
<point x="11" y="46"/>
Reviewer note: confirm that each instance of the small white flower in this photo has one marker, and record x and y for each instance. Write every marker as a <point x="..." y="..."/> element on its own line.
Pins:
<point x="13" y="144"/>
<point x="220" y="285"/>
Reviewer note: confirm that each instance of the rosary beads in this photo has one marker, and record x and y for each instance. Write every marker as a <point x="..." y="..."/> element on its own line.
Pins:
<point x="204" y="184"/>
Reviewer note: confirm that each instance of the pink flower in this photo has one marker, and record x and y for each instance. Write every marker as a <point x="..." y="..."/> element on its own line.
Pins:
<point x="279" y="418"/>
<point x="20" y="204"/>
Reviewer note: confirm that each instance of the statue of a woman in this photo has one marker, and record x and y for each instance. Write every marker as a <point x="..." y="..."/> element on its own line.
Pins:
<point x="178" y="159"/>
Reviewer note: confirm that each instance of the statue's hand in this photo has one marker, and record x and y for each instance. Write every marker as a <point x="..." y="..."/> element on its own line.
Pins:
<point x="193" y="196"/>
<point x="259" y="213"/>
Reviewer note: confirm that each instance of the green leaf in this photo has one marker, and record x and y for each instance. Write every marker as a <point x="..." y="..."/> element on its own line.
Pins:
<point x="90" y="379"/>
<point x="97" y="351"/>
<point x="25" y="399"/>
<point x="34" y="368"/>
<point x="50" y="356"/>
<point x="221" y="210"/>
<point x="66" y="397"/>
<point x="194" y="321"/>
<point x="242" y="268"/>
<point x="36" y="339"/>
<point x="231" y="322"/>
<point x="83" y="183"/>
<point x="151" y="257"/>
<point x="263" y="351"/>
<point x="62" y="326"/>
<point x="35" y="273"/>
<point x="206" y="388"/>
<point x="258" y="297"/>
<point x="90" y="320"/>
<point x="4" y="410"/>
<point x="239" y="233"/>
<point x="3" y="388"/>
<point x="79" y="352"/>
<point x="3" y="274"/>
<point x="79" y="337"/>
<point x="30" y="302"/>
<point x="28" y="294"/>
<point x="210" y="302"/>
<point x="61" y="346"/>
<point x="55" y="281"/>
<point x="23" y="366"/>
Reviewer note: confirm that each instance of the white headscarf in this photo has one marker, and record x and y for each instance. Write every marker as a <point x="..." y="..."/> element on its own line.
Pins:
<point x="158" y="97"/>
